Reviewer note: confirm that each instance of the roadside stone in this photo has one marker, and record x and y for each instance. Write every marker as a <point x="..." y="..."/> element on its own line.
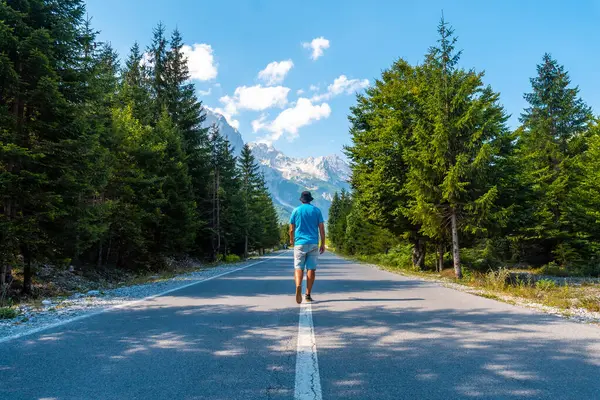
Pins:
<point x="93" y="293"/>
<point x="47" y="302"/>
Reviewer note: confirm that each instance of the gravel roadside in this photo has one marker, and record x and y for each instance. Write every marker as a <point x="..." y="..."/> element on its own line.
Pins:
<point x="580" y="315"/>
<point x="56" y="310"/>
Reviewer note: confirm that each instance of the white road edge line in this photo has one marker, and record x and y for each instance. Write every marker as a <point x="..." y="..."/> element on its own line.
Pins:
<point x="128" y="304"/>
<point x="308" y="381"/>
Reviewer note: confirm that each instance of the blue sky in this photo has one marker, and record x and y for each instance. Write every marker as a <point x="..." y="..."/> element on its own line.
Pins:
<point x="231" y="42"/>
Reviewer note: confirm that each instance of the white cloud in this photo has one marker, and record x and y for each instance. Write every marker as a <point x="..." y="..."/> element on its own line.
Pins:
<point x="201" y="61"/>
<point x="318" y="45"/>
<point x="314" y="88"/>
<point x="259" y="124"/>
<point x="230" y="120"/>
<point x="255" y="98"/>
<point x="275" y="72"/>
<point x="299" y="92"/>
<point x="291" y="119"/>
<point x="146" y="60"/>
<point x="205" y="92"/>
<point x="342" y="85"/>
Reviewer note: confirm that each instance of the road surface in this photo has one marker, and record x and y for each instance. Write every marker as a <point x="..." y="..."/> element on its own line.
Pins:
<point x="370" y="334"/>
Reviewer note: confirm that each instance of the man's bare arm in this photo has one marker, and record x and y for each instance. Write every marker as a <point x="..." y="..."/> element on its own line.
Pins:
<point x="322" y="231"/>
<point x="292" y="232"/>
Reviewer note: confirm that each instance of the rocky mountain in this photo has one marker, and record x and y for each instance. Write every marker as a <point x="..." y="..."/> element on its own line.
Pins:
<point x="228" y="131"/>
<point x="287" y="177"/>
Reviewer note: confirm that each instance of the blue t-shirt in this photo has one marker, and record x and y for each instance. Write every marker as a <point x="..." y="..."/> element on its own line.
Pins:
<point x="306" y="218"/>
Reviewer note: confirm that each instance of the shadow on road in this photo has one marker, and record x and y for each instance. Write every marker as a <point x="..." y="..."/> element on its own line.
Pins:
<point x="235" y="338"/>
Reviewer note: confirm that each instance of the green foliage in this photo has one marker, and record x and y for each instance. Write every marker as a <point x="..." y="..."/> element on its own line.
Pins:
<point x="232" y="258"/>
<point x="550" y="146"/>
<point x="424" y="143"/>
<point x="100" y="164"/>
<point x="545" y="284"/>
<point x="434" y="164"/>
<point x="258" y="219"/>
<point x="8" y="313"/>
<point x="284" y="234"/>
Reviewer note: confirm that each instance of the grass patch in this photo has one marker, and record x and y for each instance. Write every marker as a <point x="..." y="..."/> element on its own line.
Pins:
<point x="8" y="313"/>
<point x="490" y="296"/>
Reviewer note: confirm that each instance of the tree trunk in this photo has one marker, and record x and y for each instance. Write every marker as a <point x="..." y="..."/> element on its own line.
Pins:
<point x="455" y="246"/>
<point x="100" y="248"/>
<point x="418" y="254"/>
<point x="246" y="246"/>
<point x="3" y="274"/>
<point x="440" y="266"/>
<point x="27" y="271"/>
<point x="108" y="250"/>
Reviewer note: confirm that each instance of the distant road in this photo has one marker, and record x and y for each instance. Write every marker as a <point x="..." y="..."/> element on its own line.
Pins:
<point x="369" y="334"/>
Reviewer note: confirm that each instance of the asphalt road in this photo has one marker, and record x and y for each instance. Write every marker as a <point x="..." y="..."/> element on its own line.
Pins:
<point x="378" y="336"/>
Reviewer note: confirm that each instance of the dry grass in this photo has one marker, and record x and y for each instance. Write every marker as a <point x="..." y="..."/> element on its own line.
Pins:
<point x="501" y="285"/>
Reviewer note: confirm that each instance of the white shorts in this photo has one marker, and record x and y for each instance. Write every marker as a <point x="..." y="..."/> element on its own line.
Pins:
<point x="306" y="256"/>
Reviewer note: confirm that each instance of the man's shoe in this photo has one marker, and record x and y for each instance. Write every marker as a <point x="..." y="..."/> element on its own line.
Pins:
<point x="298" y="294"/>
<point x="308" y="298"/>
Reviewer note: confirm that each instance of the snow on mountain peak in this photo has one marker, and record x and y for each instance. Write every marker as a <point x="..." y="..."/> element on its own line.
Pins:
<point x="287" y="177"/>
<point x="325" y="168"/>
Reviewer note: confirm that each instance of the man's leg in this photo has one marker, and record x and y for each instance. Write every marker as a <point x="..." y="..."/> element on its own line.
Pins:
<point x="310" y="279"/>
<point x="312" y="258"/>
<point x="299" y="275"/>
<point x="299" y="265"/>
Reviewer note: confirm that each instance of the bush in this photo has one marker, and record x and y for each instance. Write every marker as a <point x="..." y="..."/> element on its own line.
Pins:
<point x="8" y="313"/>
<point x="592" y="270"/>
<point x="553" y="269"/>
<point x="232" y="258"/>
<point x="481" y="258"/>
<point x="398" y="257"/>
<point x="545" y="284"/>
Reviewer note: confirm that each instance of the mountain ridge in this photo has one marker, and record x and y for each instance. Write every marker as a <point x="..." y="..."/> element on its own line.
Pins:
<point x="287" y="177"/>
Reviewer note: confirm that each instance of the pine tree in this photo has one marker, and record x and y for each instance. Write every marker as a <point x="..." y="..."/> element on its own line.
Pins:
<point x="250" y="191"/>
<point x="332" y="220"/>
<point x="550" y="141"/>
<point x="177" y="229"/>
<point x="382" y="130"/>
<point x="184" y="108"/>
<point x="157" y="65"/>
<point x="133" y="190"/>
<point x="225" y="194"/>
<point x="135" y="88"/>
<point x="43" y="139"/>
<point x="87" y="225"/>
<point x="337" y="226"/>
<point x="456" y="133"/>
<point x="187" y="113"/>
<point x="267" y="228"/>
<point x="585" y="198"/>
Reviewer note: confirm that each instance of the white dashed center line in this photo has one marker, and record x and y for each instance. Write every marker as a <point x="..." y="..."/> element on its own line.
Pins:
<point x="308" y="382"/>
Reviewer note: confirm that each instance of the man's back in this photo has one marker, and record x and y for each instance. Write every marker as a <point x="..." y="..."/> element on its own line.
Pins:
<point x="306" y="220"/>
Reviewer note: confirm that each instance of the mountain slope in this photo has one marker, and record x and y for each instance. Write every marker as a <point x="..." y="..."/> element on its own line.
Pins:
<point x="228" y="131"/>
<point x="287" y="177"/>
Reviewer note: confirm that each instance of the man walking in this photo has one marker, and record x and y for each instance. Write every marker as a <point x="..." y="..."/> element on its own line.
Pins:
<point x="306" y="223"/>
